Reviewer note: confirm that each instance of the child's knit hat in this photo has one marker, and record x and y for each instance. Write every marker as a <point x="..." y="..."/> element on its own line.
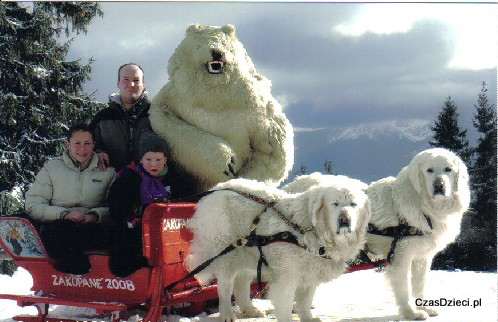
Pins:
<point x="150" y="142"/>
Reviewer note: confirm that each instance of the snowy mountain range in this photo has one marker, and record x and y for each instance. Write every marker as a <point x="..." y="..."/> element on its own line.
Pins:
<point x="367" y="152"/>
<point x="413" y="130"/>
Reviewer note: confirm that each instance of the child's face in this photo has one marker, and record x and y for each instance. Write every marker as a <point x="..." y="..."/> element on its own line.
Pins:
<point x="153" y="162"/>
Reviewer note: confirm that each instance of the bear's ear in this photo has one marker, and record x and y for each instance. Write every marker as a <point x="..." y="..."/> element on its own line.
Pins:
<point x="194" y="28"/>
<point x="228" y="29"/>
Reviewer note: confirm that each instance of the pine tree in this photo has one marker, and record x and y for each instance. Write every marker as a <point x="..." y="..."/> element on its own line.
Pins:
<point x="302" y="169"/>
<point x="329" y="167"/>
<point x="40" y="92"/>
<point x="475" y="248"/>
<point x="447" y="133"/>
<point x="483" y="170"/>
<point x="7" y="267"/>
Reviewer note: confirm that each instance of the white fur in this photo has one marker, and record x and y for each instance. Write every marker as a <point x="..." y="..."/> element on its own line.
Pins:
<point x="304" y="182"/>
<point x="212" y="121"/>
<point x="411" y="195"/>
<point x="293" y="272"/>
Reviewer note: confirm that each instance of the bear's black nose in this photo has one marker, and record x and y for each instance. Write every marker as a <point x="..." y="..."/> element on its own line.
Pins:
<point x="217" y="55"/>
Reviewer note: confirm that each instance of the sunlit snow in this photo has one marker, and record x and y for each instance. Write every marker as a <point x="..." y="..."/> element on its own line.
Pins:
<point x="358" y="296"/>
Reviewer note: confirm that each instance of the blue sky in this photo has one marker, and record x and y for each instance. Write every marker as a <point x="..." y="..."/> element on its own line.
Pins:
<point x="331" y="64"/>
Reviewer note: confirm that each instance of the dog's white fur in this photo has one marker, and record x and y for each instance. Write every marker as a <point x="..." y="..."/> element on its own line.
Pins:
<point x="293" y="273"/>
<point x="413" y="193"/>
<point x="435" y="183"/>
<point x="304" y="182"/>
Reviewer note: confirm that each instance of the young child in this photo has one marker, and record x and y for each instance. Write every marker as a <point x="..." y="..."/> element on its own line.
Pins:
<point x="135" y="187"/>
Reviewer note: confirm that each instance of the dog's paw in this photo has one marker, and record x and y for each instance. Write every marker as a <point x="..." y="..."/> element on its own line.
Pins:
<point x="415" y="314"/>
<point x="251" y="312"/>
<point x="227" y="317"/>
<point x="306" y="315"/>
<point x="429" y="311"/>
<point x="311" y="320"/>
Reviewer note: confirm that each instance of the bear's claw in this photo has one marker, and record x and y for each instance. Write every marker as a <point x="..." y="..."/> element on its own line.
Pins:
<point x="230" y="172"/>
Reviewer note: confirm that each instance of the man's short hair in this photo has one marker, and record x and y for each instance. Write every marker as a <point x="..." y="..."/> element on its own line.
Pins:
<point x="130" y="64"/>
<point x="77" y="128"/>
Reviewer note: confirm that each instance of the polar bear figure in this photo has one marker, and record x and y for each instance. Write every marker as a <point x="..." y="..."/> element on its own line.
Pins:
<point x="218" y="115"/>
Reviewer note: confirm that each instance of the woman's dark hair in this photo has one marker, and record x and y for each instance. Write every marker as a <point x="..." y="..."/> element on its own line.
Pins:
<point x="77" y="128"/>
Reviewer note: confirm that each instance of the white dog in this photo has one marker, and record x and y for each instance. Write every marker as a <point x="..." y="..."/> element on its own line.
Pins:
<point x="430" y="196"/>
<point x="332" y="218"/>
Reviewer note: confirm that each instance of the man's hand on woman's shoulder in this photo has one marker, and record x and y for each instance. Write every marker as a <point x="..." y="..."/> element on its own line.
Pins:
<point x="103" y="161"/>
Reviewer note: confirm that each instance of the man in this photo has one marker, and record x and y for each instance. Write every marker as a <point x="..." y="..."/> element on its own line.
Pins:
<point x="118" y="127"/>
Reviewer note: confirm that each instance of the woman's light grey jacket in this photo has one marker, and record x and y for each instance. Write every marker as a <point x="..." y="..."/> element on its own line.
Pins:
<point x="60" y="186"/>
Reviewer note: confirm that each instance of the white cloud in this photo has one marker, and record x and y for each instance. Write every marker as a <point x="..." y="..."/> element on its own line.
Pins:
<point x="472" y="32"/>
<point x="286" y="100"/>
<point x="138" y="44"/>
<point x="307" y="129"/>
<point x="380" y="19"/>
<point x="476" y="42"/>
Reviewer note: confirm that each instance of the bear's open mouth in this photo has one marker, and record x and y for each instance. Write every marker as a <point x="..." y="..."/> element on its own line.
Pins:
<point x="215" y="66"/>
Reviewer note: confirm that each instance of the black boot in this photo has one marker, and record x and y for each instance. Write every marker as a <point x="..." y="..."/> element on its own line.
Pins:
<point x="74" y="264"/>
<point x="123" y="264"/>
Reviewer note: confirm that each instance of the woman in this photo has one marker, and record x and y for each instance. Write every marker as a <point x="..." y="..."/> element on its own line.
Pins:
<point x="68" y="198"/>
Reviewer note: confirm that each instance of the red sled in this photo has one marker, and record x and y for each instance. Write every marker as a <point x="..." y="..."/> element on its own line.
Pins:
<point x="166" y="241"/>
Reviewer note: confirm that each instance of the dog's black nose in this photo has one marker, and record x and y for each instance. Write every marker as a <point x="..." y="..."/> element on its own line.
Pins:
<point x="438" y="186"/>
<point x="217" y="55"/>
<point x="343" y="223"/>
<point x="344" y="220"/>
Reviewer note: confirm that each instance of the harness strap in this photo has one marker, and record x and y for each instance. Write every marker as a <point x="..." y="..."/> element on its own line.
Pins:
<point x="398" y="232"/>
<point x="363" y="256"/>
<point x="201" y="267"/>
<point x="271" y="205"/>
<point x="261" y="261"/>
<point x="249" y="241"/>
<point x="258" y="243"/>
<point x="266" y="203"/>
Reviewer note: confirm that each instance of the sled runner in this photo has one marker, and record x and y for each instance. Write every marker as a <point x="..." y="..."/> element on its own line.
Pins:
<point x="166" y="240"/>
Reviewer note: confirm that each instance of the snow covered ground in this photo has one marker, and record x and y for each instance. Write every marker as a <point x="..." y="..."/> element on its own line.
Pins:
<point x="359" y="296"/>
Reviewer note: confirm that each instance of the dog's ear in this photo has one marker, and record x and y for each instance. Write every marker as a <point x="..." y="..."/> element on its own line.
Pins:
<point x="364" y="217"/>
<point x="413" y="170"/>
<point x="316" y="205"/>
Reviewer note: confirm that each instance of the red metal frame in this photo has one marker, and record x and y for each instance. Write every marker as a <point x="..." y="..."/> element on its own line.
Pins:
<point x="166" y="240"/>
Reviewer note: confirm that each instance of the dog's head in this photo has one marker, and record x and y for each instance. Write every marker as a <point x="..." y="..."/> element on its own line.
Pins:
<point x="438" y="172"/>
<point x="338" y="211"/>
